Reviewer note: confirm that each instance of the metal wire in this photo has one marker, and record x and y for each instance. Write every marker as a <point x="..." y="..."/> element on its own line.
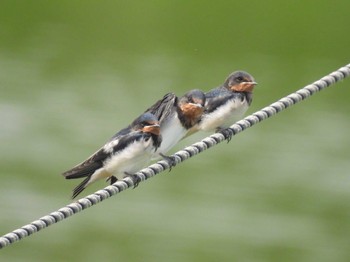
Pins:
<point x="180" y="156"/>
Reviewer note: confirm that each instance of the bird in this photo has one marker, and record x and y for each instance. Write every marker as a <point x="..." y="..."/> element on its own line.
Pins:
<point x="227" y="103"/>
<point x="125" y="153"/>
<point x="176" y="117"/>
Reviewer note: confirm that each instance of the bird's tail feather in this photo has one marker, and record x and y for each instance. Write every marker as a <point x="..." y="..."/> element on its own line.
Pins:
<point x="82" y="170"/>
<point x="80" y="187"/>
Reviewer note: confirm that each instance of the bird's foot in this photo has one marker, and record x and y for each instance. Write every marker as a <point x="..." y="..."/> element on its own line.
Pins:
<point x="135" y="179"/>
<point x="226" y="132"/>
<point x="171" y="160"/>
<point x="111" y="180"/>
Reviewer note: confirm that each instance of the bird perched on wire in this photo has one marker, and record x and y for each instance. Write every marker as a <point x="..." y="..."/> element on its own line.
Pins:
<point x="126" y="153"/>
<point x="176" y="116"/>
<point x="226" y="104"/>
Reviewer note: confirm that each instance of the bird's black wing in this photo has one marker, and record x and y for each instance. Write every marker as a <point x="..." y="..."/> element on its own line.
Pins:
<point x="163" y="107"/>
<point x="215" y="98"/>
<point x="89" y="166"/>
<point x="218" y="97"/>
<point x="94" y="162"/>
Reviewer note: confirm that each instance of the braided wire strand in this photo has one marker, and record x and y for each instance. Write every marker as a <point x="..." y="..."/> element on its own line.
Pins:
<point x="180" y="156"/>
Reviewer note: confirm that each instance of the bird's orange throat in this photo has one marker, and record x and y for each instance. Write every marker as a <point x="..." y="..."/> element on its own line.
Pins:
<point x="192" y="111"/>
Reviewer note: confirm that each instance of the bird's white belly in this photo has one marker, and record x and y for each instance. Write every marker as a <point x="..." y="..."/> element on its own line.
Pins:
<point x="172" y="132"/>
<point x="130" y="160"/>
<point x="224" y="116"/>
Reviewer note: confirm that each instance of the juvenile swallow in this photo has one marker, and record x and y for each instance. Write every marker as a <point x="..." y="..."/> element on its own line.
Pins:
<point x="126" y="153"/>
<point x="176" y="116"/>
<point x="227" y="103"/>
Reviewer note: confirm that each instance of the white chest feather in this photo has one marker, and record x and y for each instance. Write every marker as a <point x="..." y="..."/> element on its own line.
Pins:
<point x="224" y="116"/>
<point x="172" y="132"/>
<point x="131" y="159"/>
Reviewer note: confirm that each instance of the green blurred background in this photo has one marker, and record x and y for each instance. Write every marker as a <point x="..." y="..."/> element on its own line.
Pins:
<point x="74" y="72"/>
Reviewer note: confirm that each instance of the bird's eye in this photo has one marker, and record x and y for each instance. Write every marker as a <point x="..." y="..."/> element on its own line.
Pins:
<point x="239" y="79"/>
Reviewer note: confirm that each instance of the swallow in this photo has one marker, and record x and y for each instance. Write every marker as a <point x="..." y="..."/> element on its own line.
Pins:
<point x="124" y="154"/>
<point x="227" y="103"/>
<point x="176" y="117"/>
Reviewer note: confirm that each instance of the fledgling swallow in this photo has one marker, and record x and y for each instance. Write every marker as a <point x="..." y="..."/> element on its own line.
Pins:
<point x="126" y="153"/>
<point x="176" y="116"/>
<point x="228" y="103"/>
